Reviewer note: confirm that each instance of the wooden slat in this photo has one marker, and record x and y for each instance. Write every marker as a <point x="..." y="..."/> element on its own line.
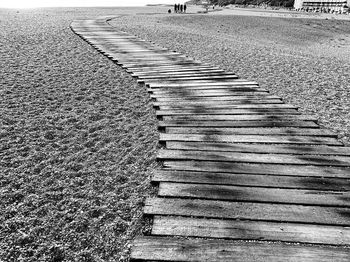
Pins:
<point x="186" y="72"/>
<point x="209" y="93"/>
<point x="252" y="131"/>
<point x="255" y="194"/>
<point x="221" y="106"/>
<point x="188" y="78"/>
<point x="152" y="65"/>
<point x="262" y="148"/>
<point x="212" y="91"/>
<point x="247" y="210"/>
<point x="198" y="83"/>
<point x="235" y="124"/>
<point x="250" y="230"/>
<point x="214" y="98"/>
<point x="268" y="169"/>
<point x="215" y="250"/>
<point x="208" y="103"/>
<point x="212" y="86"/>
<point x="173" y="68"/>
<point x="155" y="59"/>
<point x="274" y="181"/>
<point x="236" y="88"/>
<point x="219" y="156"/>
<point x="304" y="140"/>
<point x="226" y="112"/>
<point x="239" y="118"/>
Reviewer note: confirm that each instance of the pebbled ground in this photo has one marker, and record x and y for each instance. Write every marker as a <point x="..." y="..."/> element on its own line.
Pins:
<point x="78" y="138"/>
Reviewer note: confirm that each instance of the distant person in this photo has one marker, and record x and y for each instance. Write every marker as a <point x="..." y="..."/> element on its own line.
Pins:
<point x="181" y="8"/>
<point x="175" y="8"/>
<point x="185" y="7"/>
<point x="169" y="11"/>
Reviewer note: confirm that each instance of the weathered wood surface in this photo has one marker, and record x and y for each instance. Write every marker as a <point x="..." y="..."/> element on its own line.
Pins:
<point x="210" y="93"/>
<point x="239" y="117"/>
<point x="267" y="169"/>
<point x="248" y="211"/>
<point x="250" y="230"/>
<point x="260" y="148"/>
<point x="253" y="111"/>
<point x="255" y="194"/>
<point x="217" y="99"/>
<point x="220" y="250"/>
<point x="258" y="180"/>
<point x="228" y="106"/>
<point x="267" y="139"/>
<point x="238" y="163"/>
<point x="220" y="156"/>
<point x="252" y="131"/>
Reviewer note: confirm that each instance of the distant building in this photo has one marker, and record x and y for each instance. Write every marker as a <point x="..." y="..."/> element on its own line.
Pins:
<point x="323" y="5"/>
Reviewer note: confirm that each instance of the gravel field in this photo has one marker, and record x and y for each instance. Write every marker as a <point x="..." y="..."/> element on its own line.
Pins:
<point x="304" y="61"/>
<point x="77" y="143"/>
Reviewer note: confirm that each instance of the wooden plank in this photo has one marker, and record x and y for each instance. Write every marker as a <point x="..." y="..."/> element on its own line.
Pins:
<point x="312" y="183"/>
<point x="153" y="248"/>
<point x="159" y="65"/>
<point x="248" y="211"/>
<point x="251" y="131"/>
<point x="155" y="59"/>
<point x="304" y="140"/>
<point x="194" y="83"/>
<point x="236" y="124"/>
<point x="254" y="111"/>
<point x="235" y="88"/>
<point x="213" y="97"/>
<point x="221" y="106"/>
<point x="180" y="68"/>
<point x="212" y="104"/>
<point x="268" y="169"/>
<point x="221" y="156"/>
<point x="211" y="85"/>
<point x="147" y="64"/>
<point x="240" y="118"/>
<point x="262" y="148"/>
<point x="255" y="194"/>
<point x="148" y="57"/>
<point x="179" y="72"/>
<point x="124" y="54"/>
<point x="186" y="74"/>
<point x="188" y="78"/>
<point x="200" y="93"/>
<point x="250" y="230"/>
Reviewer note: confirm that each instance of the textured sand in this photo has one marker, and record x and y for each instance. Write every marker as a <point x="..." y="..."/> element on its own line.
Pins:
<point x="77" y="143"/>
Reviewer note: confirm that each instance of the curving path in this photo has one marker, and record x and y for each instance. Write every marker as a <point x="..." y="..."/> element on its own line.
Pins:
<point x="245" y="176"/>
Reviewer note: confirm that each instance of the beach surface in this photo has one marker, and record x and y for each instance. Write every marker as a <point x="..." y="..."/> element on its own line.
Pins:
<point x="78" y="138"/>
<point x="78" y="135"/>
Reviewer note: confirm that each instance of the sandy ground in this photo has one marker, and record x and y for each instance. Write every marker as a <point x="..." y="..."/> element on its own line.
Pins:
<point x="77" y="143"/>
<point x="304" y="61"/>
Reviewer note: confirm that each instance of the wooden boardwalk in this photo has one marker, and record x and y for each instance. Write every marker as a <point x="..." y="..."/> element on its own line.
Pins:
<point x="245" y="176"/>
